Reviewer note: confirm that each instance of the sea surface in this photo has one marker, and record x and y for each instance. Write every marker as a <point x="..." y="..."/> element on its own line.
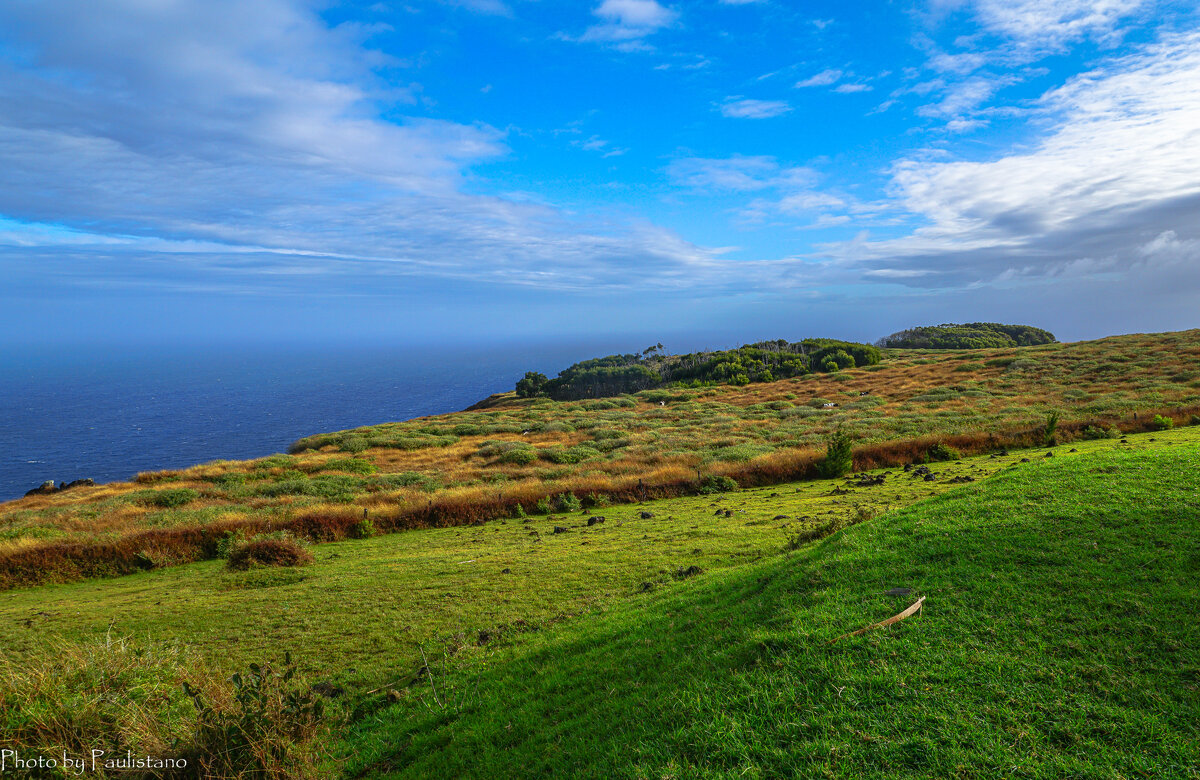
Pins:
<point x="108" y="413"/>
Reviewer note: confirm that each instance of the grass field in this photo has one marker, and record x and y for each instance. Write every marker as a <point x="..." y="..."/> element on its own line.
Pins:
<point x="1056" y="639"/>
<point x="482" y="464"/>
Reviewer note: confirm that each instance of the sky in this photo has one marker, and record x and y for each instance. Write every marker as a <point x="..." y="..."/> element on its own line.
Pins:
<point x="489" y="170"/>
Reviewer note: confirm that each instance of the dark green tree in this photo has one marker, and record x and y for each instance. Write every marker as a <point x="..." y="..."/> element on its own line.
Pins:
<point x="531" y="385"/>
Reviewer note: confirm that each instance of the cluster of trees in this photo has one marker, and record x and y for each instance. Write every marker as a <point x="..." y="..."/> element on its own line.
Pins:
<point x="971" y="335"/>
<point x="764" y="361"/>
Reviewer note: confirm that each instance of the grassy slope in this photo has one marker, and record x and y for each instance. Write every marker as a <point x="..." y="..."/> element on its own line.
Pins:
<point x="772" y="430"/>
<point x="367" y="604"/>
<point x="1059" y="639"/>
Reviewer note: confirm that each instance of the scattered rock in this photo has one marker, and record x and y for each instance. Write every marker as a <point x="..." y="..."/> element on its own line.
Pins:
<point x="1049" y="455"/>
<point x="960" y="480"/>
<point x="781" y="517"/>
<point x="558" y="529"/>
<point x="506" y="571"/>
<point x="867" y="480"/>
<point x="595" y="519"/>
<point x="691" y="571"/>
<point x="645" y="515"/>
<point x="1024" y="460"/>
<point x="1073" y="450"/>
<point x="930" y="477"/>
<point x="88" y="482"/>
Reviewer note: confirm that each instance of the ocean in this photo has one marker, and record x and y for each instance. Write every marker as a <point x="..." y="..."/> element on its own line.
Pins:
<point x="109" y="413"/>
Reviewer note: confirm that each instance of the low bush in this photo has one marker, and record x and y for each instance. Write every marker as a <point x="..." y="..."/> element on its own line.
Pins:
<point x="518" y="456"/>
<point x="940" y="452"/>
<point x="269" y="551"/>
<point x="350" y="466"/>
<point x="1161" y="423"/>
<point x="172" y="498"/>
<point x="717" y="484"/>
<point x="567" y="502"/>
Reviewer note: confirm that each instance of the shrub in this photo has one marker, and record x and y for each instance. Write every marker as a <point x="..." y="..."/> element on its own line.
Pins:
<point x="567" y="502"/>
<point x="839" y="457"/>
<point x="404" y="479"/>
<point x="1195" y="420"/>
<point x="595" y="500"/>
<point x="1161" y="423"/>
<point x="1093" y="432"/>
<point x="165" y="499"/>
<point x="940" y="451"/>
<point x="566" y="455"/>
<point x="717" y="484"/>
<point x="531" y="385"/>
<point x="268" y="730"/>
<point x="519" y="456"/>
<point x="352" y="444"/>
<point x="269" y="551"/>
<point x="542" y="506"/>
<point x="363" y="529"/>
<point x="230" y="541"/>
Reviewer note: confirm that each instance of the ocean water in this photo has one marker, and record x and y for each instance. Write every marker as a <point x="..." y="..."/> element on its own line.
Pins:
<point x="110" y="413"/>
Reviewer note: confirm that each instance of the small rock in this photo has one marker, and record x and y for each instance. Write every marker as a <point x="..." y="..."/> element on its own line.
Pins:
<point x="781" y="517"/>
<point x="691" y="571"/>
<point x="328" y="690"/>
<point x="596" y="519"/>
<point x="645" y="515"/>
<point x="899" y="592"/>
<point x="506" y="571"/>
<point x="558" y="529"/>
<point x="88" y="482"/>
<point x="1024" y="460"/>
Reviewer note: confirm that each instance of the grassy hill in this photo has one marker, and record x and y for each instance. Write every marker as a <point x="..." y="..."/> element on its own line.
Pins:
<point x="524" y="456"/>
<point x="1056" y="638"/>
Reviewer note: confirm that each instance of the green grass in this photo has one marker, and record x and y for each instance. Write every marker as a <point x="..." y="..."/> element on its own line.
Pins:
<point x="1058" y="624"/>
<point x="1058" y="639"/>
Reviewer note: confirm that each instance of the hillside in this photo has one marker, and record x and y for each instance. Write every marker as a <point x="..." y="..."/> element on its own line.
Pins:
<point x="689" y="636"/>
<point x="535" y="455"/>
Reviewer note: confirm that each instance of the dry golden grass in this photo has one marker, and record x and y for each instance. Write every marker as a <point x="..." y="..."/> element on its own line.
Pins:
<point x="972" y="400"/>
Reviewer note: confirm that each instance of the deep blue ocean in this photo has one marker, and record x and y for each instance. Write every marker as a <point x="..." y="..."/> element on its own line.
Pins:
<point x="109" y="413"/>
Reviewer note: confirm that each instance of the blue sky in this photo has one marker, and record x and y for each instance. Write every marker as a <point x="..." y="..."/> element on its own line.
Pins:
<point x="506" y="169"/>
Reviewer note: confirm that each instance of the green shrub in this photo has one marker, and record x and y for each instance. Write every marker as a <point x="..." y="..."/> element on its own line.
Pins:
<point x="519" y="456"/>
<point x="352" y="444"/>
<point x="595" y="500"/>
<point x="566" y="455"/>
<point x="939" y="452"/>
<point x="542" y="506"/>
<point x="567" y="502"/>
<point x="363" y="529"/>
<point x="714" y="483"/>
<point x="1161" y="423"/>
<point x="1195" y="420"/>
<point x="171" y="498"/>
<point x="1095" y="432"/>
<point x="406" y="479"/>
<point x="839" y="457"/>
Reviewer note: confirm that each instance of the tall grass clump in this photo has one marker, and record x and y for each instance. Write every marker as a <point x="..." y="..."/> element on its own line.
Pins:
<point x="165" y="703"/>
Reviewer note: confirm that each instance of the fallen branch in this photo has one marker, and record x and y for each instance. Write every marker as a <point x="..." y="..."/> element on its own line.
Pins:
<point x="914" y="609"/>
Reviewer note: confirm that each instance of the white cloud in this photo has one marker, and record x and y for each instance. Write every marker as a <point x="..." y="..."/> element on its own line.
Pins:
<point x="1119" y="165"/>
<point x="1053" y="23"/>
<point x="822" y="79"/>
<point x="249" y="138"/>
<point x="737" y="107"/>
<point x="740" y="173"/>
<point x="847" y="89"/>
<point x="626" y="22"/>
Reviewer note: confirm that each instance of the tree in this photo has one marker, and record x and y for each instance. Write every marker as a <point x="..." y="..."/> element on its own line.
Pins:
<point x="531" y="385"/>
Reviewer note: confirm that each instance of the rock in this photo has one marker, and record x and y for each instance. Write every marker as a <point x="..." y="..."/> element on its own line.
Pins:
<point x="86" y="482"/>
<point x="46" y="488"/>
<point x="645" y="515"/>
<point x="596" y="519"/>
<point x="691" y="571"/>
<point x="729" y="513"/>
<point x="328" y="689"/>
<point x="960" y="480"/>
<point x="1073" y="450"/>
<point x="781" y="517"/>
<point x="558" y="529"/>
<point x="930" y="477"/>
<point x="1024" y="460"/>
<point x="898" y="592"/>
<point x="1049" y="455"/>
<point x="506" y="571"/>
<point x="719" y="512"/>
